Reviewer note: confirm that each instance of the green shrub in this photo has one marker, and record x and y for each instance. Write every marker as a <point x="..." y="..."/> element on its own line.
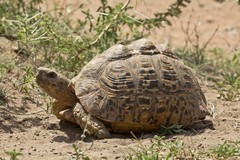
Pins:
<point x="54" y="41"/>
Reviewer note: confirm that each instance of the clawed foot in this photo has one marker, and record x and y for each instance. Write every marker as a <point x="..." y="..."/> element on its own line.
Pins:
<point x="67" y="115"/>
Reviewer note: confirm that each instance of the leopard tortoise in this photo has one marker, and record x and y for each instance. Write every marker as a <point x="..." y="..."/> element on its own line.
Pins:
<point x="138" y="88"/>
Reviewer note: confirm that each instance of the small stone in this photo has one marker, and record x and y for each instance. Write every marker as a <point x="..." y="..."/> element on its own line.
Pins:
<point x="37" y="133"/>
<point x="105" y="141"/>
<point x="39" y="103"/>
<point x="104" y="157"/>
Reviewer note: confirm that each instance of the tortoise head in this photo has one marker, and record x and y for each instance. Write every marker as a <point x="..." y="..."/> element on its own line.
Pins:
<point x="52" y="82"/>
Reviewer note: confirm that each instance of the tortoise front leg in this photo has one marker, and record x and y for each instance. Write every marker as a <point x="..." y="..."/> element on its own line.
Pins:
<point x="91" y="124"/>
<point x="68" y="115"/>
<point x="63" y="112"/>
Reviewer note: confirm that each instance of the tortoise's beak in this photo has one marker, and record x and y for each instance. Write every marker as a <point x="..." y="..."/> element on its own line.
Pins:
<point x="39" y="76"/>
<point x="40" y="70"/>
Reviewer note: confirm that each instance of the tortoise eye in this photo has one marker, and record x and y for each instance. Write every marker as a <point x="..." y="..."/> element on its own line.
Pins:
<point x="51" y="75"/>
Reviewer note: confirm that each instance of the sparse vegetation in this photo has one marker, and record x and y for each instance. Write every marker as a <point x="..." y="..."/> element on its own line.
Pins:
<point x="56" y="42"/>
<point x="226" y="150"/>
<point x="79" y="155"/>
<point x="162" y="148"/>
<point x="170" y="130"/>
<point x="13" y="155"/>
<point x="227" y="75"/>
<point x="223" y="71"/>
<point x="28" y="78"/>
<point x="193" y="52"/>
<point x="229" y="85"/>
<point x="176" y="149"/>
<point x="5" y="68"/>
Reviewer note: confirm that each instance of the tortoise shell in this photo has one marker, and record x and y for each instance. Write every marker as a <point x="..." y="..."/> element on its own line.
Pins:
<point x="140" y="87"/>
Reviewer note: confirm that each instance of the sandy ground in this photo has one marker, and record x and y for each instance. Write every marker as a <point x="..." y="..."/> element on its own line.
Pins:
<point x="28" y="128"/>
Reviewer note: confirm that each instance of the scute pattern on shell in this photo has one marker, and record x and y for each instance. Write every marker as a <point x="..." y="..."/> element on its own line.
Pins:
<point x="140" y="86"/>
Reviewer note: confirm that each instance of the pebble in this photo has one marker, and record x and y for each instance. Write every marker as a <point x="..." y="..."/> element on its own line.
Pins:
<point x="105" y="141"/>
<point x="104" y="157"/>
<point x="37" y="133"/>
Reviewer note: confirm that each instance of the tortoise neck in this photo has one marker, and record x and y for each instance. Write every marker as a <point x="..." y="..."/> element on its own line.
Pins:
<point x="68" y="96"/>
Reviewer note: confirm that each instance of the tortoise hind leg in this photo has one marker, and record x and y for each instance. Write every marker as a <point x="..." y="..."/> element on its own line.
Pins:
<point x="91" y="124"/>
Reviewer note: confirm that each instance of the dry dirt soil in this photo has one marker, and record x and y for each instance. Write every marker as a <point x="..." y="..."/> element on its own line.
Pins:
<point x="28" y="128"/>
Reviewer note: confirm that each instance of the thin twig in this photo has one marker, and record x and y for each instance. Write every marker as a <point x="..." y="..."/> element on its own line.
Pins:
<point x="139" y="142"/>
<point x="110" y="24"/>
<point x="140" y="14"/>
<point x="210" y="39"/>
<point x="196" y="32"/>
<point x="186" y="30"/>
<point x="106" y="28"/>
